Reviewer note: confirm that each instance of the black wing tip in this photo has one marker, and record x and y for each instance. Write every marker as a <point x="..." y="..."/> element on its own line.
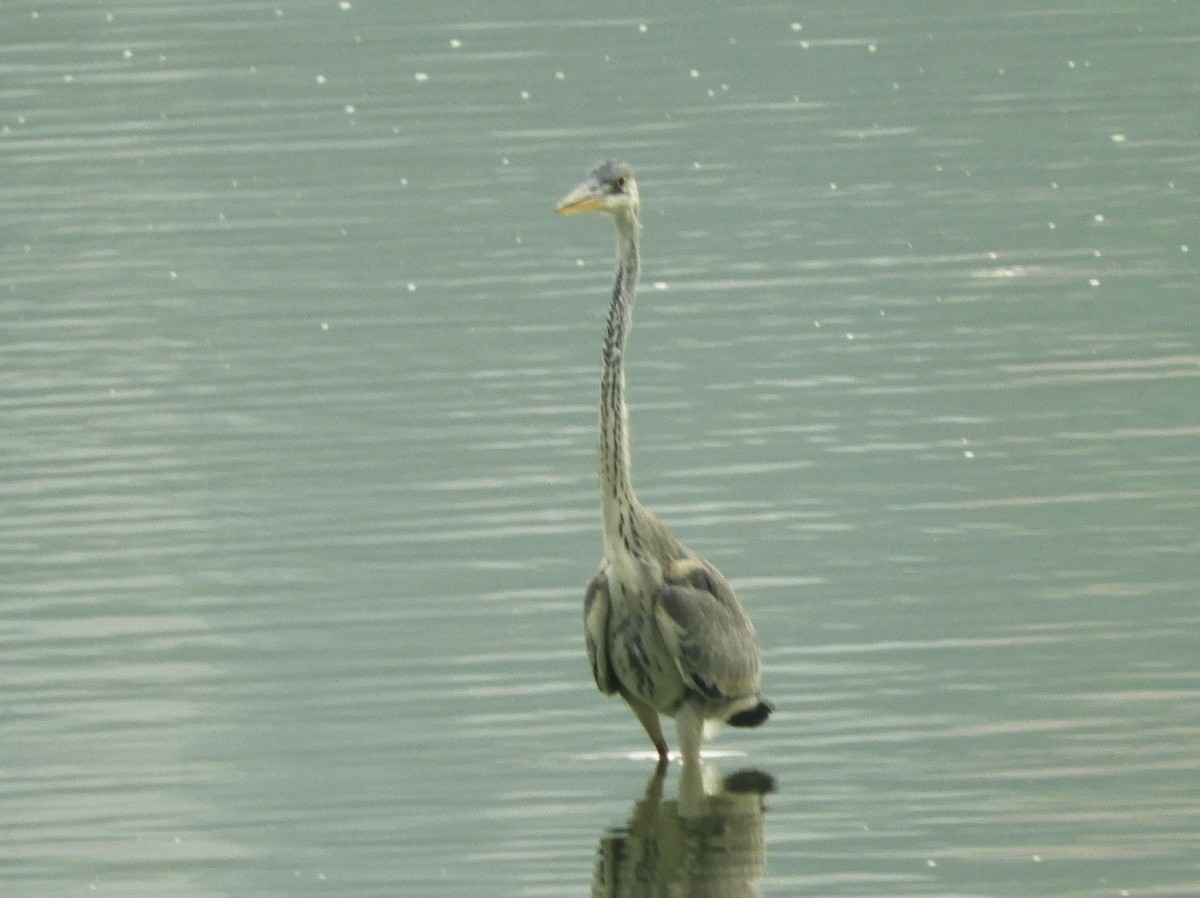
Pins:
<point x="752" y="717"/>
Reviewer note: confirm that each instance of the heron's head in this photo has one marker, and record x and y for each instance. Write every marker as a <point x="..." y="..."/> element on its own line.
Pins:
<point x="608" y="188"/>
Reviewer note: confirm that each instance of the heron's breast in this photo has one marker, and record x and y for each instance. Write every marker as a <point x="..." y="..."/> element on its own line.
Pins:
<point x="642" y="661"/>
<point x="632" y="580"/>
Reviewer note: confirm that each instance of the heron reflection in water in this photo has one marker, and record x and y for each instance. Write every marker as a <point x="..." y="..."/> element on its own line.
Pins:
<point x="663" y="627"/>
<point x="709" y="843"/>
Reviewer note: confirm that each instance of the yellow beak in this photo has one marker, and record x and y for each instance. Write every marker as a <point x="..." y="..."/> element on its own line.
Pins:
<point x="582" y="199"/>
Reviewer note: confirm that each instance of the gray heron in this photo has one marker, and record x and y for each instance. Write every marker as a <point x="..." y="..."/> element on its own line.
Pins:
<point x="663" y="627"/>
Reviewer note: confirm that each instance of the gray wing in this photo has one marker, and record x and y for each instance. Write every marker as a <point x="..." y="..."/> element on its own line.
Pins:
<point x="707" y="632"/>
<point x="595" y="632"/>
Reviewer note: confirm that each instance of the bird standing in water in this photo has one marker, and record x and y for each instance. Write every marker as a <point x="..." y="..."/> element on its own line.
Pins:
<point x="663" y="627"/>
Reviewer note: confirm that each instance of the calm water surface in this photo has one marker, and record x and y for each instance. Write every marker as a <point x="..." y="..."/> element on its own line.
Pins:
<point x="297" y="417"/>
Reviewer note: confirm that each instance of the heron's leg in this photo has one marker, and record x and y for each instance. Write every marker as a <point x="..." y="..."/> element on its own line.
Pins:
<point x="689" y="726"/>
<point x="649" y="720"/>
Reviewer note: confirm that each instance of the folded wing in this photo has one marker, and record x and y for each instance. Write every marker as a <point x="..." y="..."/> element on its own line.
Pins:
<point x="595" y="628"/>
<point x="708" y="634"/>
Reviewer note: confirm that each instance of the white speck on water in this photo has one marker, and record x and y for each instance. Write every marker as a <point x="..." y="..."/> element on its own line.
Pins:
<point x="455" y="43"/>
<point x="1006" y="272"/>
<point x="1097" y="218"/>
<point x="410" y="287"/>
<point x="127" y="54"/>
<point x="796" y="26"/>
<point x="660" y="285"/>
<point x="871" y="48"/>
<point x="1093" y="282"/>
<point x="420" y="76"/>
<point x="833" y="185"/>
<point x="1183" y="247"/>
<point x="643" y="27"/>
<point x="524" y="95"/>
<point x="559" y="76"/>
<point x="1051" y="225"/>
<point x="344" y="4"/>
<point x="1118" y="138"/>
<point x="320" y="79"/>
<point x="931" y="863"/>
<point x="349" y="109"/>
<point x="694" y="73"/>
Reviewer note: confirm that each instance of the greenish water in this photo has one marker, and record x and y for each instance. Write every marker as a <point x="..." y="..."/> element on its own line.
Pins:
<point x="296" y="412"/>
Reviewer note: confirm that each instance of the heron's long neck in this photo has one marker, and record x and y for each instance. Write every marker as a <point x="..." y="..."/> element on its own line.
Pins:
<point x="620" y="508"/>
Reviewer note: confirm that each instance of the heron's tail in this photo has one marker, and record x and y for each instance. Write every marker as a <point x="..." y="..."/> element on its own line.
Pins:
<point x="752" y="717"/>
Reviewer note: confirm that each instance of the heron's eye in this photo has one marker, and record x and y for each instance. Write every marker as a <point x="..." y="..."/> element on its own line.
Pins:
<point x="619" y="184"/>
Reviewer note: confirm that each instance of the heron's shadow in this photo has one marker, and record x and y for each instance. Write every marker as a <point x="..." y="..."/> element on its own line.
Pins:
<point x="708" y="841"/>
